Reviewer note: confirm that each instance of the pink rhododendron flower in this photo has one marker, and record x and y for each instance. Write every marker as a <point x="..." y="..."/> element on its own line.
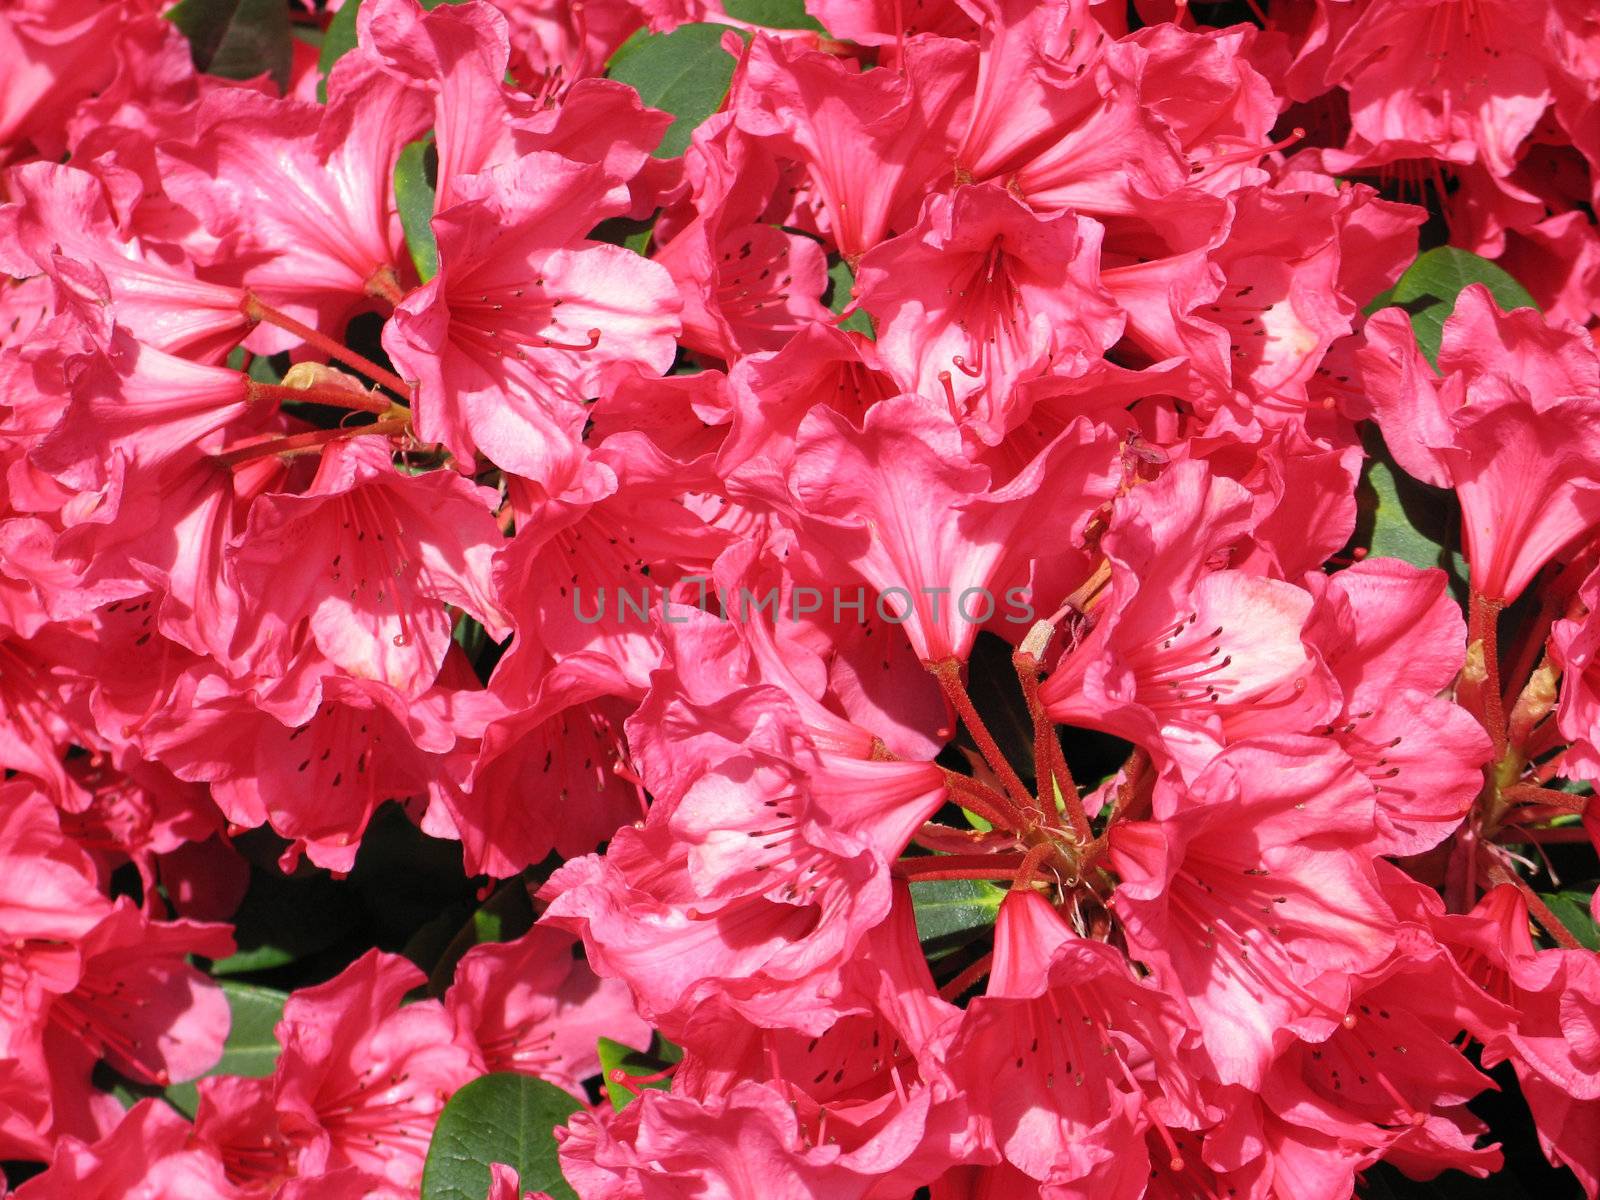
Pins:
<point x="1258" y="926"/>
<point x="1510" y="426"/>
<point x="90" y="981"/>
<point x="334" y="240"/>
<point x="748" y="1138"/>
<point x="872" y="144"/>
<point x="362" y="1078"/>
<point x="943" y="577"/>
<point x="529" y="1006"/>
<point x="972" y="599"/>
<point x="148" y="1156"/>
<point x="366" y="559"/>
<point x="982" y="294"/>
<point x="1175" y="650"/>
<point x="523" y="300"/>
<point x="1062" y="1018"/>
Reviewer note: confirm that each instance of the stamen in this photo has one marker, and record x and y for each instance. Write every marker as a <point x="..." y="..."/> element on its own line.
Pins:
<point x="950" y="394"/>
<point x="594" y="340"/>
<point x="948" y="673"/>
<point x="1249" y="152"/>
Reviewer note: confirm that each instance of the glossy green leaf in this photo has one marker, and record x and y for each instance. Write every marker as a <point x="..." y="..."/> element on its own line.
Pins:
<point x="1399" y="517"/>
<point x="1410" y="520"/>
<point x="773" y="14"/>
<point x="626" y="232"/>
<point x="614" y="1056"/>
<point x="1572" y="910"/>
<point x="685" y="72"/>
<point x="338" y="41"/>
<point x="252" y="1045"/>
<point x="841" y="283"/>
<point x="413" y="195"/>
<point x="952" y="912"/>
<point x="237" y="39"/>
<point x="502" y="1118"/>
<point x="1429" y="287"/>
<point x="269" y="368"/>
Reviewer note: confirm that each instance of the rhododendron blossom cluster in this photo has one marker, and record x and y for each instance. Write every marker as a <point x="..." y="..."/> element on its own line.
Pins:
<point x="863" y="600"/>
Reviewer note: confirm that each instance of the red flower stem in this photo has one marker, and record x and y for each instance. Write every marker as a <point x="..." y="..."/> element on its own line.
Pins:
<point x="959" y="866"/>
<point x="1566" y="833"/>
<point x="1483" y="631"/>
<point x="298" y="442"/>
<point x="1030" y="865"/>
<point x="1537" y="908"/>
<point x="1527" y="793"/>
<point x="634" y="1085"/>
<point x="968" y="976"/>
<point x="936" y="837"/>
<point x="332" y="397"/>
<point x="1548" y="771"/>
<point x="986" y="802"/>
<point x="1049" y="763"/>
<point x="252" y="307"/>
<point x="1460" y="880"/>
<point x="1128" y="790"/>
<point x="948" y="673"/>
<point x="384" y="283"/>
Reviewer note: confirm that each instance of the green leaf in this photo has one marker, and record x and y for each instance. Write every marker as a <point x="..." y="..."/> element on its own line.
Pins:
<point x="504" y="1118"/>
<point x="1400" y="517"/>
<point x="1410" y="520"/>
<point x="1572" y="910"/>
<point x="269" y="368"/>
<point x="774" y="14"/>
<point x="339" y="40"/>
<point x="841" y="285"/>
<point x="252" y="1045"/>
<point x="953" y="912"/>
<point x="639" y="240"/>
<point x="470" y="636"/>
<point x="237" y="39"/>
<point x="413" y="196"/>
<point x="1428" y="291"/>
<point x="1384" y="299"/>
<point x="614" y="1056"/>
<point x="626" y="232"/>
<point x="685" y="72"/>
